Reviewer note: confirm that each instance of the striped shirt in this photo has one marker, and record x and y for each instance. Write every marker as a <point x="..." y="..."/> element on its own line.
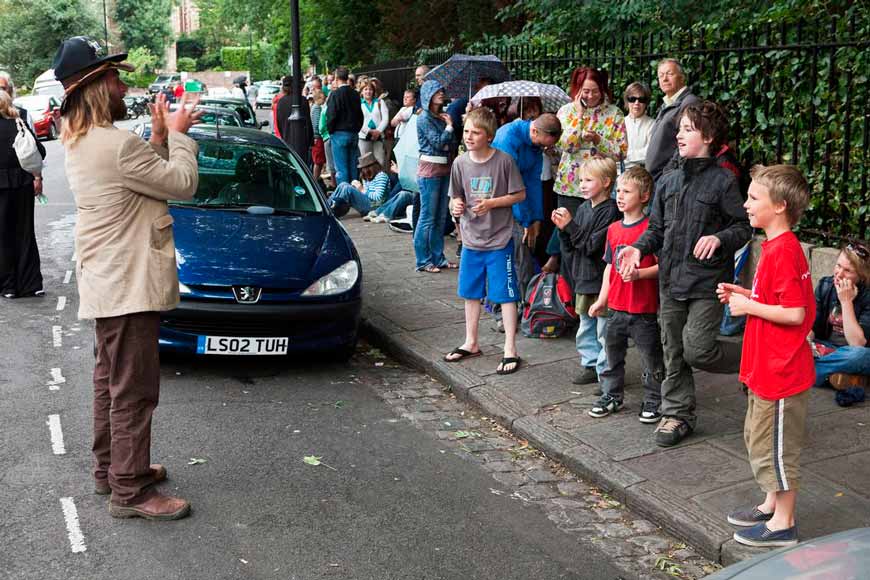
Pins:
<point x="376" y="189"/>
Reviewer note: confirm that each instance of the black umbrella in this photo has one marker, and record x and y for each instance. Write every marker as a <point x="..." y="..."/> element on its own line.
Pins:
<point x="459" y="73"/>
<point x="240" y="80"/>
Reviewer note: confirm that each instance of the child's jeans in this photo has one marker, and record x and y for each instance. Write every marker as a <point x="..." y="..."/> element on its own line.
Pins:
<point x="689" y="332"/>
<point x="346" y="193"/>
<point x="852" y="360"/>
<point x="644" y="330"/>
<point x="395" y="208"/>
<point x="590" y="337"/>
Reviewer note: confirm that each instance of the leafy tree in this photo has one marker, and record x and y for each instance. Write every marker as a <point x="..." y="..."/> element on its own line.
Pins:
<point x="145" y="24"/>
<point x="186" y="64"/>
<point x="145" y="63"/>
<point x="32" y="30"/>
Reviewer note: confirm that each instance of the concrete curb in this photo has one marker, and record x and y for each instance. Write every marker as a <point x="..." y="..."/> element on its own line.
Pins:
<point x="706" y="532"/>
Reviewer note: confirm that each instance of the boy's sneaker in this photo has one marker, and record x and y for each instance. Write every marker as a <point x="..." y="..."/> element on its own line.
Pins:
<point x="368" y="217"/>
<point x="605" y="406"/>
<point x="761" y="537"/>
<point x="649" y="413"/>
<point x="401" y="226"/>
<point x="380" y="219"/>
<point x="671" y="431"/>
<point x="748" y="517"/>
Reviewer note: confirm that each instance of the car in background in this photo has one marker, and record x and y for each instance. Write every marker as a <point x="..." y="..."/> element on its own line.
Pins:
<point x="265" y="95"/>
<point x="47" y="84"/>
<point x="264" y="267"/>
<point x="44" y="113"/>
<point x="840" y="556"/>
<point x="162" y="82"/>
<point x="217" y="92"/>
<point x="240" y="106"/>
<point x="210" y="116"/>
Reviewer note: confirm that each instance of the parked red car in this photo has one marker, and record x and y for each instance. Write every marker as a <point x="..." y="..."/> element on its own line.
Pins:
<point x="44" y="112"/>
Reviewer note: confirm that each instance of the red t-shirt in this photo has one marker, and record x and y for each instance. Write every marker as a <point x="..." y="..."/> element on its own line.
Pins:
<point x="777" y="360"/>
<point x="640" y="296"/>
<point x="179" y="91"/>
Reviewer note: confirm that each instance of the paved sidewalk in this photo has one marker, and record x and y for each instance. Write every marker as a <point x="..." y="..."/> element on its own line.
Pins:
<point x="687" y="489"/>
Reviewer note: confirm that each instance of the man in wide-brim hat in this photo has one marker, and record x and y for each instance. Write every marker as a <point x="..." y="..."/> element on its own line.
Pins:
<point x="125" y="267"/>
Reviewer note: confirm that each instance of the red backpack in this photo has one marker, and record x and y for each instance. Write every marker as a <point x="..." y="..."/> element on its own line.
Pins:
<point x="549" y="309"/>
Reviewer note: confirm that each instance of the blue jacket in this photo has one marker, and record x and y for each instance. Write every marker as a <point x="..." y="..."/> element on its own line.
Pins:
<point x="515" y="140"/>
<point x="433" y="137"/>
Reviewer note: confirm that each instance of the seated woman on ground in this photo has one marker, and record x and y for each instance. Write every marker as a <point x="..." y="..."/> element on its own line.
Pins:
<point x="362" y="196"/>
<point x="842" y="323"/>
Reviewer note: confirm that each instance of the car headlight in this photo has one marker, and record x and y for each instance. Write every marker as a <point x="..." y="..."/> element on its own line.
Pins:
<point x="183" y="289"/>
<point x="339" y="280"/>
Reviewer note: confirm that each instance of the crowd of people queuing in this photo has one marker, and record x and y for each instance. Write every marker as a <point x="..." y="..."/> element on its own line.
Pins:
<point x="642" y="217"/>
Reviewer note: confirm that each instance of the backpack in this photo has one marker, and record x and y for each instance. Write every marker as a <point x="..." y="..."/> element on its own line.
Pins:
<point x="548" y="312"/>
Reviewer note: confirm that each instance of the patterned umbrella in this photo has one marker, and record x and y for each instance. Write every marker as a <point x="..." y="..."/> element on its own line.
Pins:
<point x="551" y="96"/>
<point x="459" y="73"/>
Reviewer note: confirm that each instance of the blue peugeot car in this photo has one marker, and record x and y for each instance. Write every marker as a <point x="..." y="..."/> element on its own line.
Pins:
<point x="264" y="267"/>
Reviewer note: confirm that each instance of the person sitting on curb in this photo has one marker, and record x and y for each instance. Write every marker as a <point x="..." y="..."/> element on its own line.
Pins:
<point x="362" y="196"/>
<point x="842" y="322"/>
<point x="484" y="184"/>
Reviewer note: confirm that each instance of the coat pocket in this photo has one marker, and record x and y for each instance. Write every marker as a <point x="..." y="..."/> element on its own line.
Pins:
<point x="161" y="232"/>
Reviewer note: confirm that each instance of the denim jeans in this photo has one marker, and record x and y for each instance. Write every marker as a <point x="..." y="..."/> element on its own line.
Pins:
<point x="395" y="208"/>
<point x="429" y="232"/>
<point x="349" y="194"/>
<point x="853" y="360"/>
<point x="345" y="155"/>
<point x="590" y="342"/>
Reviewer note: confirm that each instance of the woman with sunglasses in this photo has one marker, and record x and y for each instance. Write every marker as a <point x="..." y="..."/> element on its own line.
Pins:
<point x="638" y="125"/>
<point x="842" y="324"/>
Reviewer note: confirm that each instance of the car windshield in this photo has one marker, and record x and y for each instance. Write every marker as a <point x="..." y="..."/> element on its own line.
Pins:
<point x="237" y="176"/>
<point x="212" y="118"/>
<point x="241" y="109"/>
<point x="35" y="104"/>
<point x="161" y="79"/>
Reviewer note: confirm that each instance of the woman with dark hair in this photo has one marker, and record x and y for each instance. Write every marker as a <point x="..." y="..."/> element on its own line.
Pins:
<point x="525" y="108"/>
<point x="591" y="127"/>
<point x="20" y="274"/>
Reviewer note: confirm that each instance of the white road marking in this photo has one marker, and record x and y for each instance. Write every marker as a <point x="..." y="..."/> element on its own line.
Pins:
<point x="61" y="302"/>
<point x="56" y="435"/>
<point x="67" y="277"/>
<point x="71" y="515"/>
<point x="56" y="379"/>
<point x="56" y="336"/>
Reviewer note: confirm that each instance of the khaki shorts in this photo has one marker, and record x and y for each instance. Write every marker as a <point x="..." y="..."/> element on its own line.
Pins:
<point x="774" y="434"/>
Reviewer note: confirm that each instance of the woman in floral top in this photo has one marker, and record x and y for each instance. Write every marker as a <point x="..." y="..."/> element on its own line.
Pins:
<point x="591" y="126"/>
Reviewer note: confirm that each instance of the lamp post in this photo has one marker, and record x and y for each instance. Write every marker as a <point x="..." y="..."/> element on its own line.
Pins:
<point x="296" y="138"/>
<point x="106" y="24"/>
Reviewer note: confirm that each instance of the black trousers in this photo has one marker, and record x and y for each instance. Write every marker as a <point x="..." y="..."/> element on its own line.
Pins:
<point x="19" y="254"/>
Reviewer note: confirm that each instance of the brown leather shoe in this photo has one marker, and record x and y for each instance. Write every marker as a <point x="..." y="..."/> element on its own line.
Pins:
<point x="842" y="381"/>
<point x="101" y="486"/>
<point x="153" y="506"/>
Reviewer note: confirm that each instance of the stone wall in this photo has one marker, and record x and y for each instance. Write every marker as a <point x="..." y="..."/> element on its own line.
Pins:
<point x="821" y="259"/>
<point x="216" y="78"/>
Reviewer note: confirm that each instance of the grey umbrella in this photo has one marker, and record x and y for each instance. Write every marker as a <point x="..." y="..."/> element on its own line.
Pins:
<point x="459" y="73"/>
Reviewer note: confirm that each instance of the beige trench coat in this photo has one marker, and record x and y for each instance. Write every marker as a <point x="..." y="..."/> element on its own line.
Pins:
<point x="124" y="245"/>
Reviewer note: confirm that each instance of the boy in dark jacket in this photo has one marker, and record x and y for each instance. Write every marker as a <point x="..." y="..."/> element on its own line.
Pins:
<point x="696" y="224"/>
<point x="582" y="240"/>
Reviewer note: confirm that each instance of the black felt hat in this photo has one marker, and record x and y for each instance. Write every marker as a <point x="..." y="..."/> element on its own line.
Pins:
<point x="79" y="55"/>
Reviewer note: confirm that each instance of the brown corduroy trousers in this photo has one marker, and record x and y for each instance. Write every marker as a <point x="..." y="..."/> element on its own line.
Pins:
<point x="126" y="390"/>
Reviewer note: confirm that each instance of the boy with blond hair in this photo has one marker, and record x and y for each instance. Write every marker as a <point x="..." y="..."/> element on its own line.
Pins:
<point x="484" y="184"/>
<point x="582" y="240"/>
<point x="633" y="303"/>
<point x="777" y="362"/>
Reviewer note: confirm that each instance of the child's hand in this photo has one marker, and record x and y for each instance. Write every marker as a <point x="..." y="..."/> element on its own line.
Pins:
<point x="482" y="206"/>
<point x="458" y="207"/>
<point x="629" y="260"/>
<point x="739" y="304"/>
<point x="357" y="184"/>
<point x="597" y="309"/>
<point x="706" y="247"/>
<point x="725" y="291"/>
<point x="631" y="276"/>
<point x="561" y="217"/>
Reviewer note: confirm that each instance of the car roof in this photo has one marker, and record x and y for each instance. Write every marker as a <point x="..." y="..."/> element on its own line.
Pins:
<point x="232" y="100"/>
<point x="238" y="135"/>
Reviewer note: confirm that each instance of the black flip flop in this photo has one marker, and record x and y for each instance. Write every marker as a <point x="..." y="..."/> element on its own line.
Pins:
<point x="515" y="360"/>
<point x="464" y="354"/>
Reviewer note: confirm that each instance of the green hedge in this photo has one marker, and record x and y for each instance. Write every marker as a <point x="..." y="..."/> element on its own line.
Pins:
<point x="263" y="61"/>
<point x="186" y="64"/>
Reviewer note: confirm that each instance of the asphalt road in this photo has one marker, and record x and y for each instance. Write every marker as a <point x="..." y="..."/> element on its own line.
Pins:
<point x="393" y="503"/>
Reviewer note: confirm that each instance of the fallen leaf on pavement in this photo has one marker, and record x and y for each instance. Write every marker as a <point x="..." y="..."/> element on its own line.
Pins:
<point x="838" y="494"/>
<point x="196" y="461"/>
<point x="243" y="561"/>
<point x="315" y="461"/>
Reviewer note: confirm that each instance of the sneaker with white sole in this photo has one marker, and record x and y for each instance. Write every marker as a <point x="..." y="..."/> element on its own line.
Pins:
<point x="380" y="219"/>
<point x="748" y="517"/>
<point x="605" y="406"/>
<point x="649" y="413"/>
<point x="760" y="536"/>
<point x="369" y="216"/>
<point x="671" y="431"/>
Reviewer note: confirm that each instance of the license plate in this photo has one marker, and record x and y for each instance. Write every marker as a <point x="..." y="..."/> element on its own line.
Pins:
<point x="234" y="345"/>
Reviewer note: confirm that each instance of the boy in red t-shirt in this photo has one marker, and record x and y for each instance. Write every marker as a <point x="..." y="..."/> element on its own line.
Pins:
<point x="777" y="362"/>
<point x="633" y="302"/>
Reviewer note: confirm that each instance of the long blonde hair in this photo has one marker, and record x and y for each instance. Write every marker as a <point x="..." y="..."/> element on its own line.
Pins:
<point x="86" y="108"/>
<point x="7" y="109"/>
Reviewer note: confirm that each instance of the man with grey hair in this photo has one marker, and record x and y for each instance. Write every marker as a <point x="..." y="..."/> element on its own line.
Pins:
<point x="663" y="141"/>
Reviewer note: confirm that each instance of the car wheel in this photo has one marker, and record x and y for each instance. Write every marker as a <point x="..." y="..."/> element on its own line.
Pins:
<point x="52" y="132"/>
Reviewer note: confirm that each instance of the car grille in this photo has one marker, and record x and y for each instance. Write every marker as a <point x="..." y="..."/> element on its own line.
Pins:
<point x="233" y="327"/>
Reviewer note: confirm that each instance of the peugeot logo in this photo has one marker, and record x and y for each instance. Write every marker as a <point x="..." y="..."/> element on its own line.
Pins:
<point x="247" y="294"/>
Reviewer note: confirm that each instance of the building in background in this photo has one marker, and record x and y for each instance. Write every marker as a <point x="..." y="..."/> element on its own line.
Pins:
<point x="185" y="21"/>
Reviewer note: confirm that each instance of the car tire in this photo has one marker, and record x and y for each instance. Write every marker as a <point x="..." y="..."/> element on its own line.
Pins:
<point x="52" y="132"/>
